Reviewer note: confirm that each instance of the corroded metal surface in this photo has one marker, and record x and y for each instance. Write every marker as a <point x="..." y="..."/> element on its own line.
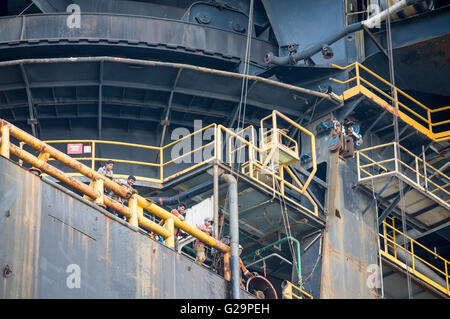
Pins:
<point x="50" y="232"/>
<point x="350" y="238"/>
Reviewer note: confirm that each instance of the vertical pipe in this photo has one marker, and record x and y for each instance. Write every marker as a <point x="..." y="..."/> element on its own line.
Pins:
<point x="234" y="233"/>
<point x="216" y="200"/>
<point x="4" y="143"/>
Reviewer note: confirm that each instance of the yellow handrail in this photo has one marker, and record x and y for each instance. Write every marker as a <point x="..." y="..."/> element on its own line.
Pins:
<point x="287" y="291"/>
<point x="253" y="153"/>
<point x="416" y="170"/>
<point x="429" y="129"/>
<point x="394" y="245"/>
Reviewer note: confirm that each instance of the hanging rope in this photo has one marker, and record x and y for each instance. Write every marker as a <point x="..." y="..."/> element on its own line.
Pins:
<point x="396" y="133"/>
<point x="244" y="86"/>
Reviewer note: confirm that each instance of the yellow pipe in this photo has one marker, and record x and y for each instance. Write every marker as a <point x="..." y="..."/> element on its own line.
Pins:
<point x="170" y="241"/>
<point x="4" y="142"/>
<point x="194" y="231"/>
<point x="67" y="160"/>
<point x="133" y="206"/>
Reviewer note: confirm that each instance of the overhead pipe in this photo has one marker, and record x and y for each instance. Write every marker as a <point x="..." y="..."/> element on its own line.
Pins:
<point x="234" y="233"/>
<point x="172" y="200"/>
<point x="323" y="45"/>
<point x="294" y="88"/>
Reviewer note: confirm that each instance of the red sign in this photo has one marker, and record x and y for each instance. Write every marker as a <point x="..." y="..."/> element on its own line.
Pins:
<point x="74" y="148"/>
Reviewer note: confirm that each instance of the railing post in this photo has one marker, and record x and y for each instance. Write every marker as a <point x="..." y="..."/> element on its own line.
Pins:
<point x="358" y="81"/>
<point x="250" y="158"/>
<point x="133" y="205"/>
<point x="430" y="126"/>
<point x="385" y="237"/>
<point x="93" y="156"/>
<point x="357" y="166"/>
<point x="218" y="144"/>
<point x="412" y="253"/>
<point x="417" y="172"/>
<point x="170" y="241"/>
<point x="161" y="166"/>
<point x="99" y="188"/>
<point x="287" y="291"/>
<point x="226" y="266"/>
<point x="281" y="174"/>
<point x="424" y="169"/>
<point x="396" y="157"/>
<point x="446" y="277"/>
<point x="4" y="142"/>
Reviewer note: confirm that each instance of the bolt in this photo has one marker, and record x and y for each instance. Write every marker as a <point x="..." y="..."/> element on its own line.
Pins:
<point x="7" y="271"/>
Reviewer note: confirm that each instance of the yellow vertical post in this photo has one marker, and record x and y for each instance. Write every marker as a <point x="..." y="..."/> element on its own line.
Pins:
<point x="226" y="266"/>
<point x="430" y="127"/>
<point x="446" y="277"/>
<point x="412" y="253"/>
<point x="93" y="156"/>
<point x="219" y="144"/>
<point x="281" y="171"/>
<point x="170" y="240"/>
<point x="358" y="81"/>
<point x="4" y="142"/>
<point x="99" y="187"/>
<point x="357" y="166"/>
<point x="133" y="206"/>
<point x="250" y="158"/>
<point x="161" y="161"/>
<point x="287" y="291"/>
<point x="385" y="237"/>
<point x="44" y="156"/>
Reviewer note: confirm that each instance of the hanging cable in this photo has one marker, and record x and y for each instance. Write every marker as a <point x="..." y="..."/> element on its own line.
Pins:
<point x="244" y="85"/>
<point x="396" y="134"/>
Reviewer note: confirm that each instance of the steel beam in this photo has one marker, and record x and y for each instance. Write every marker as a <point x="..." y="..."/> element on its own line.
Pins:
<point x="100" y="103"/>
<point x="32" y="120"/>
<point x="388" y="210"/>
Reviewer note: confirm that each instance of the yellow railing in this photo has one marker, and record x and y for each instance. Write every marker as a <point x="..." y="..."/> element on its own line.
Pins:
<point x="243" y="144"/>
<point x="420" y="118"/>
<point x="418" y="172"/>
<point x="388" y="237"/>
<point x="95" y="191"/>
<point x="288" y="291"/>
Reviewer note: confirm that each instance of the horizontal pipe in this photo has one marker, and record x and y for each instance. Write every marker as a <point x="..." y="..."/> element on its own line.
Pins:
<point x="168" y="64"/>
<point x="83" y="188"/>
<point x="67" y="160"/>
<point x="188" y="228"/>
<point x="181" y="197"/>
<point x="293" y="58"/>
<point x="269" y="256"/>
